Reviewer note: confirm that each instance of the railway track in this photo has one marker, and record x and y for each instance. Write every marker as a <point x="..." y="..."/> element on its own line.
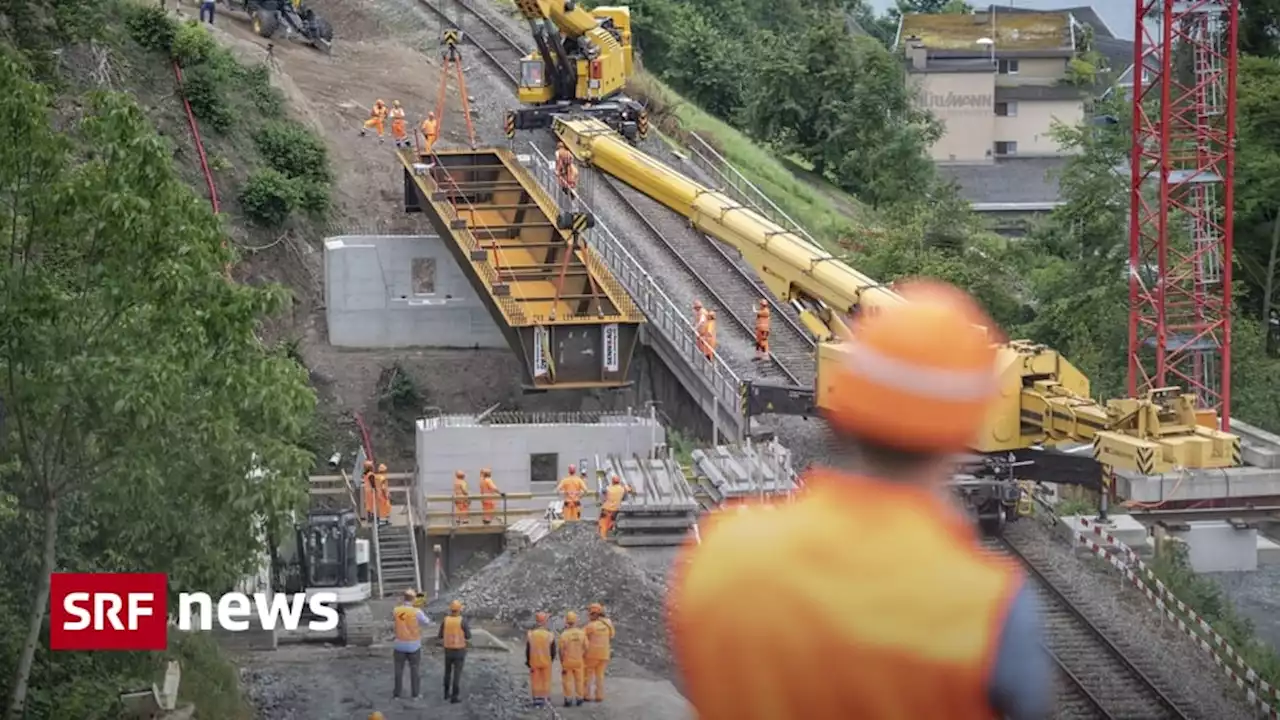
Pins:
<point x="1095" y="677"/>
<point x="732" y="291"/>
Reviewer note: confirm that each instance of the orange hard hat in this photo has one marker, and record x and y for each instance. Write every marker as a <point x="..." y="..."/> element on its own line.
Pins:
<point x="540" y="618"/>
<point x="459" y="475"/>
<point x="375" y="715"/>
<point x="573" y="469"/>
<point x="431" y="116"/>
<point x="368" y="464"/>
<point x="616" y="480"/>
<point x="379" y="102"/>
<point x="570" y="618"/>
<point x="917" y="376"/>
<point x="455" y="606"/>
<point x="764" y="302"/>
<point x="697" y="303"/>
<point x="595" y="609"/>
<point x="382" y="468"/>
<point x="486" y="472"/>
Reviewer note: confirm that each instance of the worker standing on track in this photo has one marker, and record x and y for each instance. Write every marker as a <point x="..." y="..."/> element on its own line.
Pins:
<point x="707" y="338"/>
<point x="370" y="494"/>
<point x="430" y="132"/>
<point x="455" y="633"/>
<point x="762" y="330"/>
<point x="599" y="632"/>
<point x="539" y="656"/>
<point x="947" y="630"/>
<point x="573" y="659"/>
<point x="377" y="119"/>
<point x="613" y="496"/>
<point x="398" y="126"/>
<point x="572" y="488"/>
<point x="409" y="621"/>
<point x="461" y="499"/>
<point x="489" y="495"/>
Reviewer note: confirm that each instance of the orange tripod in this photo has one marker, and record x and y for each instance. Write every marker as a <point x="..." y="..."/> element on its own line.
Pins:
<point x="453" y="59"/>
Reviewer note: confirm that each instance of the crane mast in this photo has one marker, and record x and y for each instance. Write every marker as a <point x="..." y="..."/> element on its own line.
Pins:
<point x="1181" y="198"/>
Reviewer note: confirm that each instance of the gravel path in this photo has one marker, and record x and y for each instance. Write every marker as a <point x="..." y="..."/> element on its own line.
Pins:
<point x="1156" y="646"/>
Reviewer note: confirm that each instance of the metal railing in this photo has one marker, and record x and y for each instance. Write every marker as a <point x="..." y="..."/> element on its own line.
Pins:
<point x="501" y="517"/>
<point x="413" y="536"/>
<point x="663" y="314"/>
<point x="743" y="190"/>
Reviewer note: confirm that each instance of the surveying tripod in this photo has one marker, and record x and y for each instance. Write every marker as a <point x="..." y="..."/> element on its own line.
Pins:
<point x="453" y="59"/>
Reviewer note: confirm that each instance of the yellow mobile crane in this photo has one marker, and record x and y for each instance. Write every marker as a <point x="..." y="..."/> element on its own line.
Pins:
<point x="583" y="62"/>
<point x="1044" y="400"/>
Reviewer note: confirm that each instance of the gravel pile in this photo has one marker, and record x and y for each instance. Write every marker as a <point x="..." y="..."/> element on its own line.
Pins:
<point x="568" y="570"/>
<point x="1162" y="651"/>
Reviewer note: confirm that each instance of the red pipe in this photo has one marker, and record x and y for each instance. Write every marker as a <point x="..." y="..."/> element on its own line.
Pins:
<point x="195" y="134"/>
<point x="364" y="434"/>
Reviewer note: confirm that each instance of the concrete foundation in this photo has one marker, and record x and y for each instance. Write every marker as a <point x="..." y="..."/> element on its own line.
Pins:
<point x="1241" y="482"/>
<point x="1122" y="527"/>
<point x="1268" y="552"/>
<point x="401" y="291"/>
<point x="1218" y="546"/>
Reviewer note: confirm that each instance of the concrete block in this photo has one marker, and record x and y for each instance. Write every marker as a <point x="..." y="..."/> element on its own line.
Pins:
<point x="1242" y="482"/>
<point x="1268" y="552"/>
<point x="1123" y="527"/>
<point x="1214" y="546"/>
<point x="1257" y="446"/>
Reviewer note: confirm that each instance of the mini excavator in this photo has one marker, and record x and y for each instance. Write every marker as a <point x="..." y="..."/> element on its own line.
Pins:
<point x="582" y="64"/>
<point x="1044" y="401"/>
<point x="323" y="554"/>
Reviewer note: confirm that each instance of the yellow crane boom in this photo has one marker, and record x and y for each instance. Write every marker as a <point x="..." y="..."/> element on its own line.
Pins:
<point x="1044" y="399"/>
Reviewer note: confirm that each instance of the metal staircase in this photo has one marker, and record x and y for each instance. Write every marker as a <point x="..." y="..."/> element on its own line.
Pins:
<point x="397" y="560"/>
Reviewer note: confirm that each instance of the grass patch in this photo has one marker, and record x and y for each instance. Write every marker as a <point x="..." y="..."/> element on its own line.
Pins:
<point x="815" y="209"/>
<point x="210" y="681"/>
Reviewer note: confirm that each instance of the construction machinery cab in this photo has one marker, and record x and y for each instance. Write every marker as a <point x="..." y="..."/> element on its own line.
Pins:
<point x="295" y="20"/>
<point x="325" y="554"/>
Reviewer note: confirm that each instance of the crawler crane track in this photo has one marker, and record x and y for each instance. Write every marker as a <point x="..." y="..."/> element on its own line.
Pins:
<point x="1095" y="677"/>
<point x="499" y="48"/>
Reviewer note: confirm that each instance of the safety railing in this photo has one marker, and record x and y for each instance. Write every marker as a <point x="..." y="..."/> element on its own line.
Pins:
<point x="663" y="314"/>
<point x="599" y="271"/>
<point x="413" y="535"/>
<point x="501" y="517"/>
<point x="743" y="190"/>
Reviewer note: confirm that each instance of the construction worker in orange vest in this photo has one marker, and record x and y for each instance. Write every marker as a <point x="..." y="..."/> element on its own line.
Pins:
<point x="489" y="494"/>
<point x="600" y="633"/>
<point x="455" y="633"/>
<point x="430" y="132"/>
<point x="370" y="494"/>
<point x="461" y="499"/>
<point x="398" y="126"/>
<point x="572" y="488"/>
<point x="762" y="330"/>
<point x="383" y="493"/>
<point x="699" y="317"/>
<point x="377" y="119"/>
<point x="946" y="630"/>
<point x="409" y="621"/>
<point x="613" y="496"/>
<point x="573" y="659"/>
<point x="539" y="656"/>
<point x="707" y="338"/>
<point x="564" y="158"/>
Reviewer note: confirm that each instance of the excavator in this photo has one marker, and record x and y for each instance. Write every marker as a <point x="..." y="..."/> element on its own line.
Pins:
<point x="582" y="64"/>
<point x="1044" y="401"/>
<point x="323" y="553"/>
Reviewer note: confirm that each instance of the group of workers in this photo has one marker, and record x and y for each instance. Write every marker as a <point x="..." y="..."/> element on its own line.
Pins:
<point x="454" y="635"/>
<point x="583" y="653"/>
<point x="377" y="495"/>
<point x="380" y="113"/>
<point x="704" y="328"/>
<point x="572" y="489"/>
<point x="489" y="497"/>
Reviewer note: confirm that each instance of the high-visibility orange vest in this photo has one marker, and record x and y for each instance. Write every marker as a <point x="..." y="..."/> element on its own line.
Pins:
<point x="599" y="634"/>
<point x="407" y="628"/>
<point x="918" y="641"/>
<point x="573" y="488"/>
<point x="573" y="647"/>
<point x="540" y="640"/>
<point x="454" y="637"/>
<point x="613" y="496"/>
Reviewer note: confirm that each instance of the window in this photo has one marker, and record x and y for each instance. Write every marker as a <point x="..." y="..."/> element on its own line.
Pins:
<point x="1007" y="109"/>
<point x="1005" y="147"/>
<point x="544" y="468"/>
<point x="1007" y="67"/>
<point x="424" y="276"/>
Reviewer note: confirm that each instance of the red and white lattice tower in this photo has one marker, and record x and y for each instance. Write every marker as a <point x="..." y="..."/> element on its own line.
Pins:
<point x="1181" y="198"/>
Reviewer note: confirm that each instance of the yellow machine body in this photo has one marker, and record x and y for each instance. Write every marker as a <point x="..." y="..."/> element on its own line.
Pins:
<point x="610" y="54"/>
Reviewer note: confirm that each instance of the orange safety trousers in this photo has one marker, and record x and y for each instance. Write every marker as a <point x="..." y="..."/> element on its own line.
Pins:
<point x="376" y="122"/>
<point x="461" y="507"/>
<point x="595" y="679"/>
<point x="489" y="507"/>
<point x="572" y="509"/>
<point x="540" y="682"/>
<point x="762" y="339"/>
<point x="573" y="679"/>
<point x="397" y="128"/>
<point x="606" y="523"/>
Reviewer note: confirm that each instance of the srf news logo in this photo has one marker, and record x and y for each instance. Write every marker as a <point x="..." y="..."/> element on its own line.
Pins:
<point x="129" y="611"/>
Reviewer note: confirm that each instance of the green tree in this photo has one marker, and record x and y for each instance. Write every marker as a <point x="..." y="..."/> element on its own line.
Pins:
<point x="1257" y="222"/>
<point x="145" y="426"/>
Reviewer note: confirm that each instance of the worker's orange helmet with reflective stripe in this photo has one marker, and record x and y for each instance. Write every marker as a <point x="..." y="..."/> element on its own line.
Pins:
<point x="917" y="376"/>
<point x="570" y="618"/>
<point x="455" y="606"/>
<point x="540" y="618"/>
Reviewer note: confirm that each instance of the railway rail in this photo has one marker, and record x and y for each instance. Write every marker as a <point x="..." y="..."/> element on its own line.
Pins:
<point x="1096" y="679"/>
<point x="732" y="291"/>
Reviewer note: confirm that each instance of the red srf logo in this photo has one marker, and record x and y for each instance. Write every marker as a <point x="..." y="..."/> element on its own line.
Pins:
<point x="108" y="611"/>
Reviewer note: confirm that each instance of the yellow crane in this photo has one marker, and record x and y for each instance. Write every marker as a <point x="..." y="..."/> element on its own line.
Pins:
<point x="1044" y="400"/>
<point x="582" y="64"/>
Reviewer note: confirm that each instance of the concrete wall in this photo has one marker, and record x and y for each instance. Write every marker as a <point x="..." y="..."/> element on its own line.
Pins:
<point x="1030" y="129"/>
<point x="964" y="103"/>
<point x="402" y="291"/>
<point x="457" y="442"/>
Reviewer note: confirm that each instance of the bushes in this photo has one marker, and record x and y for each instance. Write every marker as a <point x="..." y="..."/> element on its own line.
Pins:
<point x="203" y="90"/>
<point x="297" y="177"/>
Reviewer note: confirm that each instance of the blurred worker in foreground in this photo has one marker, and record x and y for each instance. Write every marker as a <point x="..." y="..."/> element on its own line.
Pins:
<point x="383" y="494"/>
<point x="539" y="656"/>
<point x="600" y="632"/>
<point x="573" y="661"/>
<point x="461" y="499"/>
<point x="572" y="488"/>
<point x="935" y="628"/>
<point x="377" y="119"/>
<point x="398" y="125"/>
<point x="489" y="494"/>
<point x="430" y="132"/>
<point x="409" y="621"/>
<point x="370" y="494"/>
<point x="613" y="497"/>
<point x="762" y="330"/>
<point x="455" y="633"/>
